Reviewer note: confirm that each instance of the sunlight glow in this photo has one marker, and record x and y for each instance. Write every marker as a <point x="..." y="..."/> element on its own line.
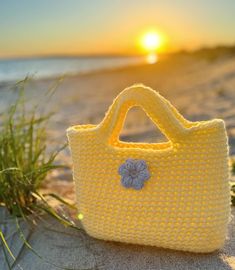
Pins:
<point x="80" y="216"/>
<point x="152" y="58"/>
<point x="151" y="41"/>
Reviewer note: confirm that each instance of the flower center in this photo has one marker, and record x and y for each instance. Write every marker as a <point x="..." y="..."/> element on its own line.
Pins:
<point x="133" y="173"/>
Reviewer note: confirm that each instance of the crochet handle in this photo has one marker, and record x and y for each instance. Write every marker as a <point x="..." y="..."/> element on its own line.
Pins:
<point x="159" y="110"/>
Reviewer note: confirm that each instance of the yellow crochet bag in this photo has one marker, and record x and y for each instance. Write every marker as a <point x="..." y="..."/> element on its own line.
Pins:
<point x="173" y="194"/>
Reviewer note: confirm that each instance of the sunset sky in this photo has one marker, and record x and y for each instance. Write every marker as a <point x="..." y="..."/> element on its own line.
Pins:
<point x="67" y="27"/>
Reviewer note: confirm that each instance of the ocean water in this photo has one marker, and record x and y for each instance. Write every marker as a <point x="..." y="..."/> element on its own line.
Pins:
<point x="17" y="69"/>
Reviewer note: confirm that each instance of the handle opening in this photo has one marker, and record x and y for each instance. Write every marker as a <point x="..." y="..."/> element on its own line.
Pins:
<point x="159" y="110"/>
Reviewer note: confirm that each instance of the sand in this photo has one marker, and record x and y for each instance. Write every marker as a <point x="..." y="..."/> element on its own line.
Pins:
<point x="70" y="249"/>
<point x="201" y="89"/>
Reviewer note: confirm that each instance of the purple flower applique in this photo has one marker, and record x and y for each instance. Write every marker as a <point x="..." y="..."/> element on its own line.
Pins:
<point x="134" y="172"/>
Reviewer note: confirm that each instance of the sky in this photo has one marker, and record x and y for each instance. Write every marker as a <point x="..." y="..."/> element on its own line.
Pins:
<point x="74" y="27"/>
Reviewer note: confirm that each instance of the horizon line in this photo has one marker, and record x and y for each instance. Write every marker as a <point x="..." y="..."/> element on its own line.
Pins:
<point x="100" y="55"/>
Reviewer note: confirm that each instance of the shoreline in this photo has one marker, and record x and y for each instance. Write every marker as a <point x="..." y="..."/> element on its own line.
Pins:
<point x="71" y="75"/>
<point x="12" y="70"/>
<point x="198" y="88"/>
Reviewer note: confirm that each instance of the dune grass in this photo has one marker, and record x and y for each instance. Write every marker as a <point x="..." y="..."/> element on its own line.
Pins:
<point x="25" y="162"/>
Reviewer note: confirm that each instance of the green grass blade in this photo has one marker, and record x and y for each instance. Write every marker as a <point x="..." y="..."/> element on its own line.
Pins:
<point x="58" y="198"/>
<point x="6" y="258"/>
<point x="6" y="245"/>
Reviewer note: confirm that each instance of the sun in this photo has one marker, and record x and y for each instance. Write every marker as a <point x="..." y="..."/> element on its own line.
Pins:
<point x="151" y="41"/>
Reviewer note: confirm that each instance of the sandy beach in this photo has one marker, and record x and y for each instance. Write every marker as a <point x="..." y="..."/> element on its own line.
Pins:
<point x="72" y="169"/>
<point x="201" y="89"/>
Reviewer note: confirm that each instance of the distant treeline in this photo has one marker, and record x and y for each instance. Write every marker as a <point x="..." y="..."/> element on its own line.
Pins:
<point x="212" y="54"/>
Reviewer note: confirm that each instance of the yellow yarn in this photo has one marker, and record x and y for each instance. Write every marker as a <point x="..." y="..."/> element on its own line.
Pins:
<point x="185" y="204"/>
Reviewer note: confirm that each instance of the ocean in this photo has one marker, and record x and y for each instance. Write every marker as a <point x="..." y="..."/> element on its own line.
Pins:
<point x="17" y="69"/>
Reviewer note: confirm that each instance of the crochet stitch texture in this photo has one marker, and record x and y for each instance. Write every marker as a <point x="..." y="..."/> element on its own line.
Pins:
<point x="184" y="205"/>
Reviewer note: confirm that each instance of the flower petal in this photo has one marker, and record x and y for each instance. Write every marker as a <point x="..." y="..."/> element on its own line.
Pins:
<point x="141" y="165"/>
<point x="127" y="181"/>
<point x="122" y="170"/>
<point x="137" y="183"/>
<point x="145" y="175"/>
<point x="130" y="164"/>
